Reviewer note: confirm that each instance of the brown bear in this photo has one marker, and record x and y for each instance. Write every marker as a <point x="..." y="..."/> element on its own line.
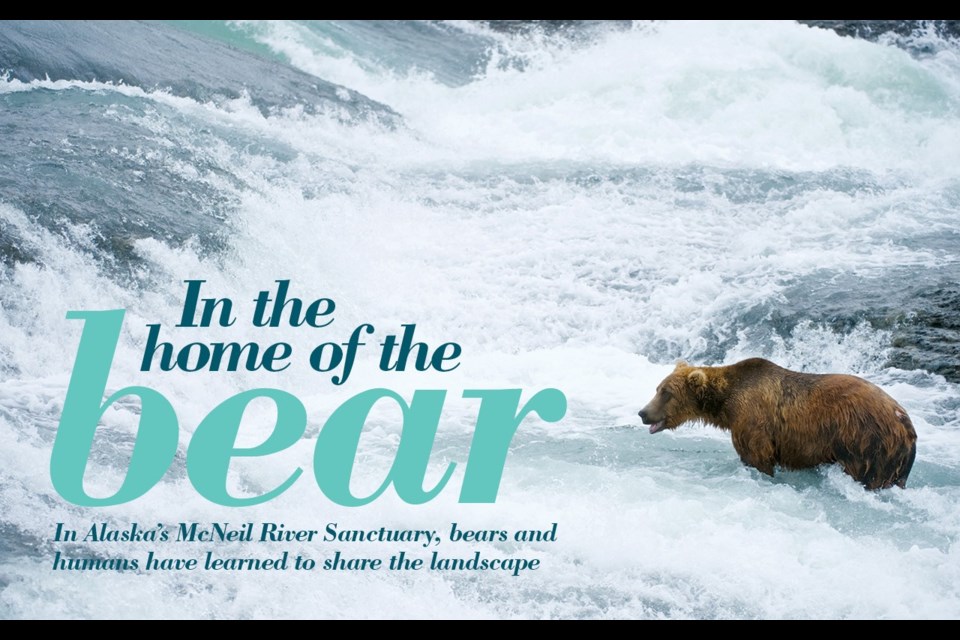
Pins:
<point x="797" y="420"/>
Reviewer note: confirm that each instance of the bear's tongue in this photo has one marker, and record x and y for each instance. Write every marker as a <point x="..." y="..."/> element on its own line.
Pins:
<point x="657" y="426"/>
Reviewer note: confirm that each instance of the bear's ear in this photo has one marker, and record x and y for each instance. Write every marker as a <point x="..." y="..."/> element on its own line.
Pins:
<point x="681" y="364"/>
<point x="697" y="380"/>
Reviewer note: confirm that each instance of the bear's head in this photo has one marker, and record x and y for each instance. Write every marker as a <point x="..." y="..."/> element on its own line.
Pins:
<point x="679" y="399"/>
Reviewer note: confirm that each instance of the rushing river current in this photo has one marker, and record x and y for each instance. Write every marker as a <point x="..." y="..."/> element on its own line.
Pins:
<point x="578" y="205"/>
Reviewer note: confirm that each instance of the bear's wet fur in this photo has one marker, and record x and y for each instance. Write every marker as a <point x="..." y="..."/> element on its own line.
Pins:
<point x="796" y="420"/>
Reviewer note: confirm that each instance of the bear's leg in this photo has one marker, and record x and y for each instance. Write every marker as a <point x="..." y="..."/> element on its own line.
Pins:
<point x="911" y="437"/>
<point x="756" y="449"/>
<point x="876" y="462"/>
<point x="860" y="470"/>
<point x="905" y="469"/>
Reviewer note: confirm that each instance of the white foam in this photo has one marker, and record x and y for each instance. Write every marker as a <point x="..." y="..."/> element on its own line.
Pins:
<point x="592" y="286"/>
<point x="756" y="93"/>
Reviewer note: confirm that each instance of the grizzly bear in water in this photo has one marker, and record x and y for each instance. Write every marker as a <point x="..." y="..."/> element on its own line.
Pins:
<point x="797" y="420"/>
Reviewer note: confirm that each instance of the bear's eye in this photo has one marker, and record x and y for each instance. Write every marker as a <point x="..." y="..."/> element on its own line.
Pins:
<point x="666" y="394"/>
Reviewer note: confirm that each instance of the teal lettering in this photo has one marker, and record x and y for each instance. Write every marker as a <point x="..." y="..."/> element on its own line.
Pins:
<point x="214" y="444"/>
<point x="497" y="422"/>
<point x="157" y="432"/>
<point x="338" y="440"/>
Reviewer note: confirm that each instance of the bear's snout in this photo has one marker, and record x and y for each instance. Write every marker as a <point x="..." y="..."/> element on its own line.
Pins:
<point x="643" y="416"/>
